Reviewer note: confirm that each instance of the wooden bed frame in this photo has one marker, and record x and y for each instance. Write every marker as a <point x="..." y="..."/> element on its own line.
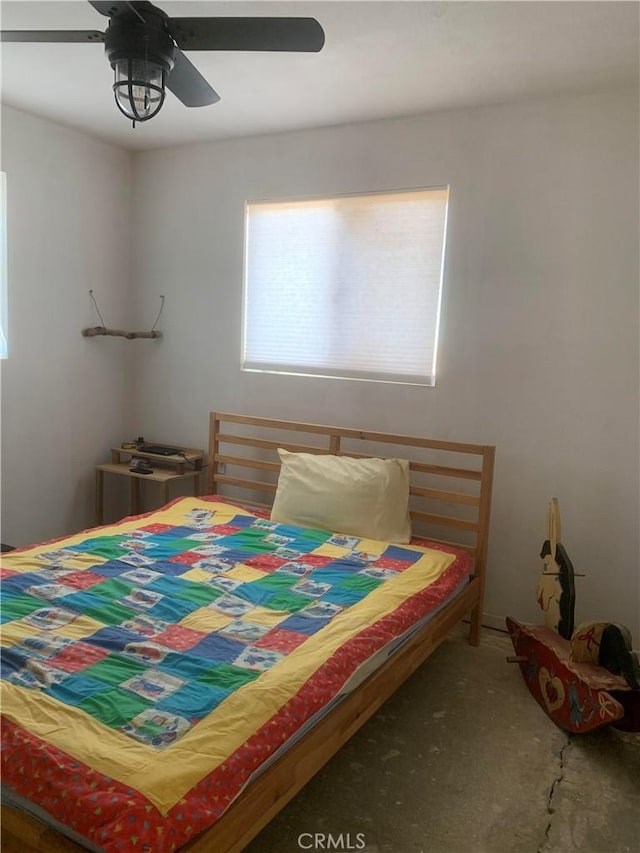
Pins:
<point x="238" y="443"/>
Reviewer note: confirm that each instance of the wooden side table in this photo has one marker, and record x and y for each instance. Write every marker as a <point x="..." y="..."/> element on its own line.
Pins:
<point x="166" y="470"/>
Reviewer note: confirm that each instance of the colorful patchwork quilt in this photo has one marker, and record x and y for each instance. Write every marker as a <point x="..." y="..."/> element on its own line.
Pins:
<point x="149" y="668"/>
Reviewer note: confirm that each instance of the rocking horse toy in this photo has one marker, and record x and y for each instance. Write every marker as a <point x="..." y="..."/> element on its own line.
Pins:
<point x="583" y="677"/>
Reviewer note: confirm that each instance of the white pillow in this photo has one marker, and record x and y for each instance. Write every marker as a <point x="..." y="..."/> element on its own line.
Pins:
<point x="368" y="498"/>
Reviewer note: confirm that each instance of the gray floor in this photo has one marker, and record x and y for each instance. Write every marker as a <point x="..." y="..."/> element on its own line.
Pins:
<point x="462" y="760"/>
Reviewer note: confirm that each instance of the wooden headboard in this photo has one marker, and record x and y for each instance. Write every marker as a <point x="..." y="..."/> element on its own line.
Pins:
<point x="450" y="482"/>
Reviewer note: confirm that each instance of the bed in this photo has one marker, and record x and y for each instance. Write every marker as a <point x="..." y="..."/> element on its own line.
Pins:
<point x="180" y="700"/>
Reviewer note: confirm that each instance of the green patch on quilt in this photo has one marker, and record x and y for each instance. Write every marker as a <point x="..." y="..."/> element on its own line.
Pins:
<point x="200" y="594"/>
<point x="114" y="707"/>
<point x="111" y="613"/>
<point x="225" y="675"/>
<point x="288" y="601"/>
<point x="112" y="589"/>
<point x="114" y="669"/>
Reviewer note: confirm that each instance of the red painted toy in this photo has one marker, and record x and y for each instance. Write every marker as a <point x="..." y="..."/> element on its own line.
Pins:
<point x="583" y="678"/>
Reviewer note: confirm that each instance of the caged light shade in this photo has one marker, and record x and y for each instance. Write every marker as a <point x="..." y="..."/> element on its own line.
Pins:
<point x="142" y="54"/>
<point x="139" y="87"/>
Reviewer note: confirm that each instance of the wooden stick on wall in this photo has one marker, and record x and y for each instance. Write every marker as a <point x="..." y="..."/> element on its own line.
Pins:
<point x="118" y="333"/>
<point x="94" y="331"/>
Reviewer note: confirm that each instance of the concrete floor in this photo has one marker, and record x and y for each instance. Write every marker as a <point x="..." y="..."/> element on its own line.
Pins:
<point x="462" y="760"/>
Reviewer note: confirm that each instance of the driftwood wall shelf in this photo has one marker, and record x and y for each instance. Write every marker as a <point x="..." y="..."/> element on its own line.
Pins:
<point x="118" y="333"/>
<point x="95" y="331"/>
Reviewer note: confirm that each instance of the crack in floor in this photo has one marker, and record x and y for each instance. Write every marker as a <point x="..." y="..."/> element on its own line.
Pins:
<point x="550" y="809"/>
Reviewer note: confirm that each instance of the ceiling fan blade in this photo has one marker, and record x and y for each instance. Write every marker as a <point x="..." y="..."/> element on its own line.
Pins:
<point x="51" y="36"/>
<point x="188" y="84"/>
<point x="109" y="7"/>
<point x="297" y="34"/>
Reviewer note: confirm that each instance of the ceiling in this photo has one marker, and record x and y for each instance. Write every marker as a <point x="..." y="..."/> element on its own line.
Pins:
<point x="380" y="59"/>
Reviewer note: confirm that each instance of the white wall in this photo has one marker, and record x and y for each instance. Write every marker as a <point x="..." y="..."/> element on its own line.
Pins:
<point x="64" y="397"/>
<point x="539" y="337"/>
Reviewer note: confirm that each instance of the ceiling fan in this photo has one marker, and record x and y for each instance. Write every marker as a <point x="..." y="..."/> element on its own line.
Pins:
<point x="144" y="47"/>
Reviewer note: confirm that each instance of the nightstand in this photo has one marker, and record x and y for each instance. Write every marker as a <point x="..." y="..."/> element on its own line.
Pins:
<point x="186" y="464"/>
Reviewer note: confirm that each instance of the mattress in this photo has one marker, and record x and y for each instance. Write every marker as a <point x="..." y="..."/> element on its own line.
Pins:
<point x="202" y="633"/>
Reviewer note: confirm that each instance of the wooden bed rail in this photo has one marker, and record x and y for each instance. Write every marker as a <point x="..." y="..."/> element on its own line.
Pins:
<point x="244" y="443"/>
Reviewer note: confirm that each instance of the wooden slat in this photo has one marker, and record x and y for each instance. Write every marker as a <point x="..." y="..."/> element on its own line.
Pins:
<point x="226" y="438"/>
<point x="447" y="497"/>
<point x="444" y="471"/>
<point x="486" y="487"/>
<point x="334" y="444"/>
<point x="427" y="468"/>
<point x="214" y="427"/>
<point x="346" y="432"/>
<point x="244" y="461"/>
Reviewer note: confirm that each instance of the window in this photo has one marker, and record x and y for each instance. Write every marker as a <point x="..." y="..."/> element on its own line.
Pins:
<point x="346" y="286"/>
<point x="3" y="266"/>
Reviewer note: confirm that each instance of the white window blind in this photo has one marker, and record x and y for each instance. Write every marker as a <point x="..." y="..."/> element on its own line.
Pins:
<point x="346" y="286"/>
<point x="3" y="266"/>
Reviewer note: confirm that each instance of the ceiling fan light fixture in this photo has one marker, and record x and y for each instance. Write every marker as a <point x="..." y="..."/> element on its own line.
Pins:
<point x="142" y="54"/>
<point x="144" y="47"/>
<point x="139" y="87"/>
